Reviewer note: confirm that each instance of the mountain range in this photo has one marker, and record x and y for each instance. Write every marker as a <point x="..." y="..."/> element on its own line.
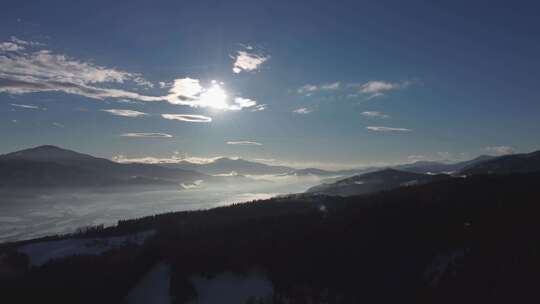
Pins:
<point x="374" y="182"/>
<point x="51" y="166"/>
<point x="426" y="172"/>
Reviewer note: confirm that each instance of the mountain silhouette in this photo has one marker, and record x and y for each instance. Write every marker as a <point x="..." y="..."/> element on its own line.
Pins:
<point x="53" y="166"/>
<point x="375" y="181"/>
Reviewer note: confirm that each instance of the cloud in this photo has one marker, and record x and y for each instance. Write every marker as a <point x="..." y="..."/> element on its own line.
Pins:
<point x="187" y="117"/>
<point x="244" y="143"/>
<point x="302" y="111"/>
<point x="10" y="47"/>
<point x="500" y="150"/>
<point x="260" y="107"/>
<point x="265" y="159"/>
<point x="176" y="158"/>
<point x="244" y="102"/>
<point x="147" y="135"/>
<point x="374" y="114"/>
<point x="45" y="71"/>
<point x="58" y="125"/>
<point x="190" y="92"/>
<point x="387" y="129"/>
<point x="45" y="65"/>
<point x="417" y="157"/>
<point x="25" y="106"/>
<point x="377" y="88"/>
<point x="25" y="42"/>
<point x="311" y="88"/>
<point x="124" y="113"/>
<point x="248" y="60"/>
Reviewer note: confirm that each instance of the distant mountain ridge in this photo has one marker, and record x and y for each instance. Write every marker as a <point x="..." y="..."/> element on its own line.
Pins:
<point x="53" y="166"/>
<point x="439" y="167"/>
<point x="226" y="165"/>
<point x="514" y="163"/>
<point x="386" y="179"/>
<point x="426" y="172"/>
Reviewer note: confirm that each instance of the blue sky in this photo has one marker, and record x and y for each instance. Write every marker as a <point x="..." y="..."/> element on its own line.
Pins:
<point x="316" y="83"/>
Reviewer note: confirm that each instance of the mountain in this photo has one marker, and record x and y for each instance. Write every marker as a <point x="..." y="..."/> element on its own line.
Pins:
<point x="515" y="163"/>
<point x="47" y="166"/>
<point x="438" y="167"/>
<point x="375" y="181"/>
<point x="226" y="165"/>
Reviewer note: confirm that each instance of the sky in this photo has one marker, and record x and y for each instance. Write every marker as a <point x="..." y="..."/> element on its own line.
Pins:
<point x="330" y="84"/>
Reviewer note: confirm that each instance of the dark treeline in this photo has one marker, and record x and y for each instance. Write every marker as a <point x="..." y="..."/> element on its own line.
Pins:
<point x="470" y="240"/>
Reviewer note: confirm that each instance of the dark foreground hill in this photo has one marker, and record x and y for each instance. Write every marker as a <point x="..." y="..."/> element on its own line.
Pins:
<point x="463" y="240"/>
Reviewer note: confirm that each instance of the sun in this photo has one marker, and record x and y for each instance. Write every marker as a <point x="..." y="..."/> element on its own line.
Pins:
<point x="214" y="97"/>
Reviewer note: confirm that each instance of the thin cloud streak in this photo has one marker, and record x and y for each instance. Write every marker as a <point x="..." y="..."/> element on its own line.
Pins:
<point x="375" y="114"/>
<point x="27" y="106"/>
<point x="244" y="143"/>
<point x="302" y="111"/>
<point x="124" y="113"/>
<point x="311" y="88"/>
<point x="187" y="117"/>
<point x="147" y="135"/>
<point x="387" y="129"/>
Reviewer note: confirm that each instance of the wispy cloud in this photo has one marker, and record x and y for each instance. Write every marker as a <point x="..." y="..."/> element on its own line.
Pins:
<point x="43" y="71"/>
<point x="377" y="88"/>
<point x="302" y="111"/>
<point x="27" y="106"/>
<point x="244" y="143"/>
<point x="500" y="150"/>
<point x="147" y="135"/>
<point x="374" y="114"/>
<point x="22" y="42"/>
<point x="124" y="113"/>
<point x="311" y="88"/>
<point x="58" y="125"/>
<point x="187" y="117"/>
<point x="260" y="107"/>
<point x="387" y="129"/>
<point x="248" y="60"/>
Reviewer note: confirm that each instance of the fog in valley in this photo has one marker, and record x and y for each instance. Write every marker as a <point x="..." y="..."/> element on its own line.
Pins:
<point x="35" y="213"/>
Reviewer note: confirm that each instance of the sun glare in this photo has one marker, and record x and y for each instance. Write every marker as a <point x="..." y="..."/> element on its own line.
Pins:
<point x="215" y="97"/>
